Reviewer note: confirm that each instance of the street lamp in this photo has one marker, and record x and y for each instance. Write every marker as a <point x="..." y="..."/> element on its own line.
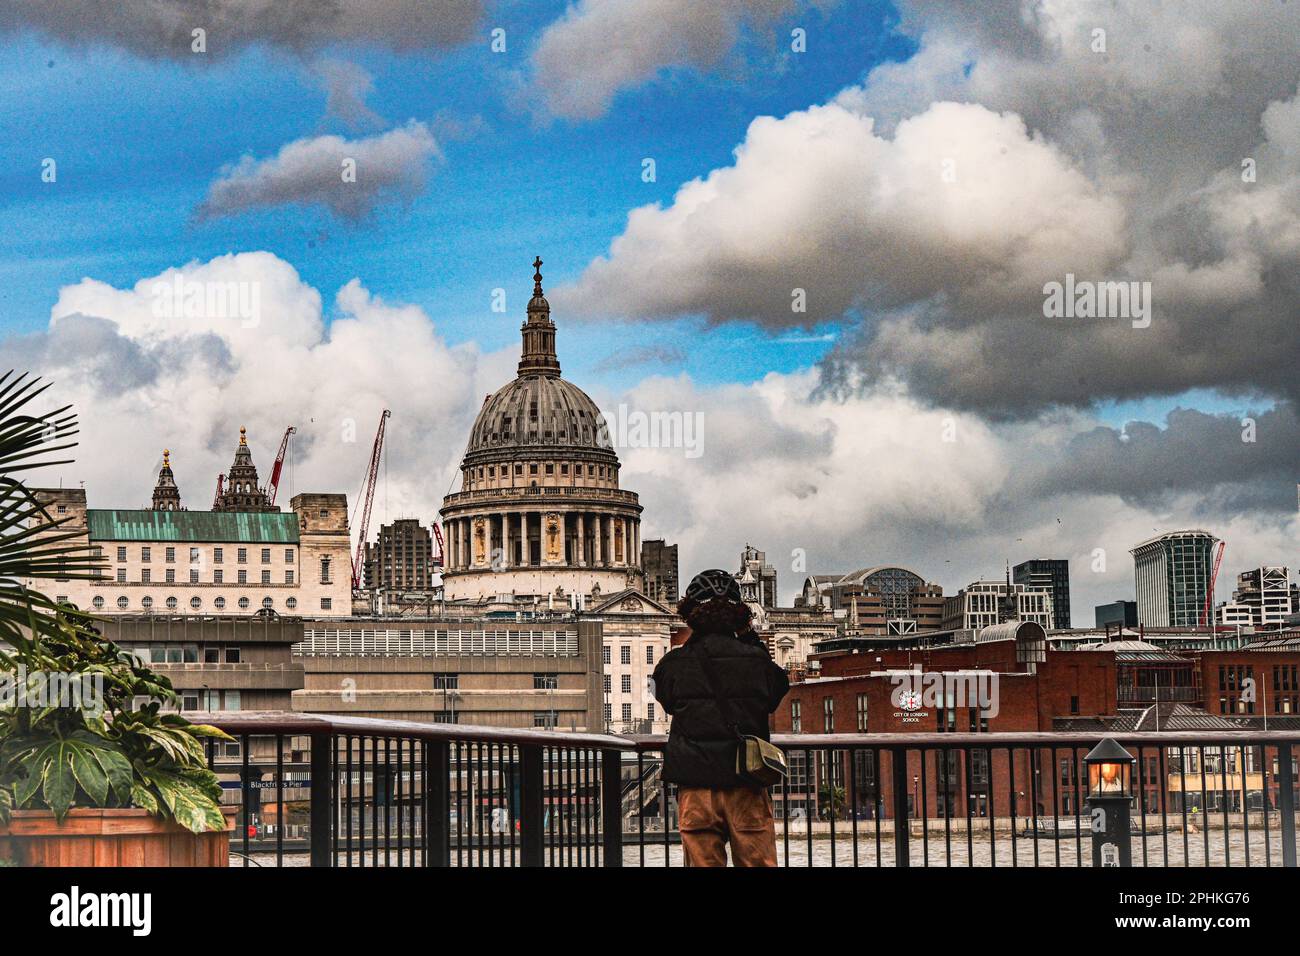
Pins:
<point x="1110" y="773"/>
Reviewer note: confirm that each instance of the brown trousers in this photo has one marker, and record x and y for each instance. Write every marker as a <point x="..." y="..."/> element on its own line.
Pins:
<point x="709" y="819"/>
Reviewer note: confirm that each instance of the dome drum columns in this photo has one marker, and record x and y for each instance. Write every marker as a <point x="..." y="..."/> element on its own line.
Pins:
<point x="513" y="539"/>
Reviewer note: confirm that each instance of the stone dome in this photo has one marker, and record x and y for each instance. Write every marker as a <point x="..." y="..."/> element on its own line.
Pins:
<point x="537" y="412"/>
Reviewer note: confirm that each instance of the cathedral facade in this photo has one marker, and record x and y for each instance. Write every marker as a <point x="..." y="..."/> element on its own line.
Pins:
<point x="540" y="512"/>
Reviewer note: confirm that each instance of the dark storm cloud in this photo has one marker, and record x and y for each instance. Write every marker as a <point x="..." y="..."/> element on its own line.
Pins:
<point x="163" y="28"/>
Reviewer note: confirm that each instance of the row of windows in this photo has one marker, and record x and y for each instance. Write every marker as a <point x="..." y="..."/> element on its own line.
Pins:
<point x="625" y="654"/>
<point x="490" y="471"/>
<point x="626" y="712"/>
<point x="828" y="714"/>
<point x="540" y="681"/>
<point x="196" y="554"/>
<point x="218" y="576"/>
<point x="625" y="683"/>
<point x="186" y="653"/>
<point x="196" y="603"/>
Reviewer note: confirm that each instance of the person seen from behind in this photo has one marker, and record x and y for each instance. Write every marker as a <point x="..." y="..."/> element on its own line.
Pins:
<point x="719" y="686"/>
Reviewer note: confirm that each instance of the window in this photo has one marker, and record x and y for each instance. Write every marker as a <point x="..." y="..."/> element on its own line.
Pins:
<point x="195" y="557"/>
<point x="546" y="681"/>
<point x="146" y="602"/>
<point x="212" y="655"/>
<point x="218" y="555"/>
<point x="625" y="654"/>
<point x="171" y="575"/>
<point x="326" y="604"/>
<point x="1074" y="704"/>
<point x="243" y="577"/>
<point x="234" y="699"/>
<point x="324" y="570"/>
<point x="266" y="577"/>
<point x="194" y="575"/>
<point x="625" y="684"/>
<point x="291" y="603"/>
<point x="190" y="700"/>
<point x="144" y="575"/>
<point x="171" y="554"/>
<point x="171" y="603"/>
<point x="233" y="655"/>
<point x="863" y="708"/>
<point x="218" y="576"/>
<point x="609" y="686"/>
<point x="609" y="712"/>
<point x="220" y="603"/>
<point x="196" y="603"/>
<point x="649" y="653"/>
<point x="98" y="602"/>
<point x="288" y="577"/>
<point x="267" y="603"/>
<point x="288" y="555"/>
<point x="243" y="604"/>
<point x="796" y="717"/>
<point x="828" y="715"/>
<point x="266" y="555"/>
<point x="146" y="554"/>
<point x="649" y="711"/>
<point x="627" y="712"/>
<point x="121" y="554"/>
<point x="241" y="555"/>
<point x="544" y="718"/>
<point x="604" y="653"/>
<point x="446" y="681"/>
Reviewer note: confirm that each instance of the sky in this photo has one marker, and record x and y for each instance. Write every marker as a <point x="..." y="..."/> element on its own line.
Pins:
<point x="826" y="228"/>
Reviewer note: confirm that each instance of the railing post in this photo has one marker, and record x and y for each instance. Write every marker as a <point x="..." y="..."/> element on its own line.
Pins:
<point x="1286" y="801"/>
<point x="532" y="843"/>
<point x="437" y="800"/>
<point x="611" y="805"/>
<point x="322" y="798"/>
<point x="902" y="853"/>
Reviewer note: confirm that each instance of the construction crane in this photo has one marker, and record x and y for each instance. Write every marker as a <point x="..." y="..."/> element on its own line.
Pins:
<point x="1209" y="591"/>
<point x="274" y="486"/>
<point x="368" y="496"/>
<point x="439" y="559"/>
<point x="216" y="499"/>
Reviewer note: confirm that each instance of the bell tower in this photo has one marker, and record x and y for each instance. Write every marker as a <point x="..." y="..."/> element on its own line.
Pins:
<point x="538" y="356"/>
<point x="166" y="496"/>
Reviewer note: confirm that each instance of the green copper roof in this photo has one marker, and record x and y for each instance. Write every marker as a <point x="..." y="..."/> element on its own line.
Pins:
<point x="274" y="527"/>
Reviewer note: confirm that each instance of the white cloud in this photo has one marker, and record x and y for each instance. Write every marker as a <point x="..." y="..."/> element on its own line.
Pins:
<point x="601" y="47"/>
<point x="348" y="176"/>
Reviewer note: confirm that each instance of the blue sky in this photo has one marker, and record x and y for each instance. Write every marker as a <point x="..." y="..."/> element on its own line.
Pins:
<point x="139" y="141"/>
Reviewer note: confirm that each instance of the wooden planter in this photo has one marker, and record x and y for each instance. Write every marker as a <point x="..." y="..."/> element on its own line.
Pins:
<point x="89" y="837"/>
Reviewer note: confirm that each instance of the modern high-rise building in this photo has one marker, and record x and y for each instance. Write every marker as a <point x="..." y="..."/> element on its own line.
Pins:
<point x="1053" y="574"/>
<point x="755" y="562"/>
<point x="402" y="557"/>
<point x="659" y="562"/>
<point x="984" y="603"/>
<point x="1172" y="573"/>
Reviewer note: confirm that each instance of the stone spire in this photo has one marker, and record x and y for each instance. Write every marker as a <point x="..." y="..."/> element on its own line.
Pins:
<point x="241" y="491"/>
<point x="1010" y="606"/>
<point x="166" y="496"/>
<point x="538" y="356"/>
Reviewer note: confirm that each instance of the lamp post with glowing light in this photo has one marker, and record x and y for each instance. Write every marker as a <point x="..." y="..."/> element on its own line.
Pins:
<point x="1110" y="776"/>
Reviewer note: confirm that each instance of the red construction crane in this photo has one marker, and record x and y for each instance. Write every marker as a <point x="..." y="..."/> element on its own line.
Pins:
<point x="439" y="558"/>
<point x="274" y="486"/>
<point x="216" y="499"/>
<point x="368" y="495"/>
<point x="1209" y="591"/>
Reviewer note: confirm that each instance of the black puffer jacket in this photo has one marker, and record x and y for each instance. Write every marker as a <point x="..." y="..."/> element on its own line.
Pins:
<point x="701" y="747"/>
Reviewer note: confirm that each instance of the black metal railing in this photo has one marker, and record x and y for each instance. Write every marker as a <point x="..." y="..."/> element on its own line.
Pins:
<point x="356" y="792"/>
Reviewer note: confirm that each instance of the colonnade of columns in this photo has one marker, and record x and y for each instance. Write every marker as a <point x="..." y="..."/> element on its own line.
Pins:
<point x="512" y="539"/>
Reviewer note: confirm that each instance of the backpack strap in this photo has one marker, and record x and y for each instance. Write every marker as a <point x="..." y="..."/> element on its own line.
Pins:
<point x="711" y="676"/>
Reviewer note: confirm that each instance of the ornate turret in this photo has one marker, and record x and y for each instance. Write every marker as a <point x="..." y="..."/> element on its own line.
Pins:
<point x="241" y="491"/>
<point x="166" y="496"/>
<point x="1010" y="610"/>
<point x="538" y="356"/>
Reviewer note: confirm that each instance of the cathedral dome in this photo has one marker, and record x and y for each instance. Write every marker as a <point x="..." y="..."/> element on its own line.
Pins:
<point x="538" y="412"/>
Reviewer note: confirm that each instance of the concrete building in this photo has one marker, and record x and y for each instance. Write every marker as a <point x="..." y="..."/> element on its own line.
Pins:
<point x="543" y="673"/>
<point x="754" y="563"/>
<point x="540" y="505"/>
<point x="1267" y="595"/>
<point x="1052" y="574"/>
<point x="401" y="559"/>
<point x="1172" y="572"/>
<point x="1123" y="613"/>
<point x="636" y="632"/>
<point x="208" y="562"/>
<point x="984" y="603"/>
<point x="659" y="562"/>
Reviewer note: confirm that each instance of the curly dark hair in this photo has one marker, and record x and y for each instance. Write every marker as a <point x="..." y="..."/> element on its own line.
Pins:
<point x="715" y="615"/>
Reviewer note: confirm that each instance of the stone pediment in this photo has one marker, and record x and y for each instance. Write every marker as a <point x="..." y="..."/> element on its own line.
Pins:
<point x="629" y="601"/>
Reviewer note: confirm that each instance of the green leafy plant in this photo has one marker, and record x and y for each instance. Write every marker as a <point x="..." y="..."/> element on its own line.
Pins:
<point x="118" y="749"/>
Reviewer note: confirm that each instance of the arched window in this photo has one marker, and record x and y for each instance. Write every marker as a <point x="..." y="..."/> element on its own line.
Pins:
<point x="98" y="602"/>
<point x="196" y="603"/>
<point x="220" y="603"/>
<point x="122" y="602"/>
<point x="171" y="603"/>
